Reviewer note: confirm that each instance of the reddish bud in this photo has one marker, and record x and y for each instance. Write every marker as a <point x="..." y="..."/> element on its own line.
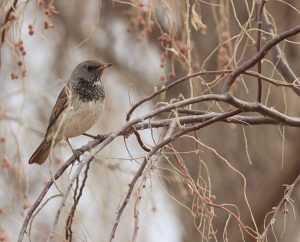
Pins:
<point x="141" y="23"/>
<point x="162" y="77"/>
<point x="6" y="164"/>
<point x="48" y="13"/>
<point x="171" y="74"/>
<point x="129" y="29"/>
<point x="20" y="63"/>
<point x="12" y="17"/>
<point x="25" y="206"/>
<point x="31" y="32"/>
<point x="48" y="25"/>
<point x="13" y="76"/>
<point x="24" y="73"/>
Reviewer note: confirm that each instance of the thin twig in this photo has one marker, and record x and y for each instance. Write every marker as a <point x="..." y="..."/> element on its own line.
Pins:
<point x="152" y="152"/>
<point x="258" y="56"/>
<point x="186" y="78"/>
<point x="285" y="198"/>
<point x="278" y="58"/>
<point x="76" y="199"/>
<point x="66" y="193"/>
<point x="258" y="43"/>
<point x="137" y="176"/>
<point x="11" y="9"/>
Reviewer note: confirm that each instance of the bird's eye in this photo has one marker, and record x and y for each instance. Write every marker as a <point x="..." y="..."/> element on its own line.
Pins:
<point x="89" y="68"/>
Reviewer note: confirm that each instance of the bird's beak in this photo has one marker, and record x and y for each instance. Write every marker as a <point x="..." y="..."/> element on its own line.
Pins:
<point x="104" y="66"/>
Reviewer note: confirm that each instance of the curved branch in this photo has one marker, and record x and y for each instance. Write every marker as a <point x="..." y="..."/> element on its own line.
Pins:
<point x="188" y="77"/>
<point x="258" y="56"/>
<point x="278" y="57"/>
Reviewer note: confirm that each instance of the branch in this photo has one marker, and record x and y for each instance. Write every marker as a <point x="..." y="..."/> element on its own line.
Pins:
<point x="136" y="177"/>
<point x="76" y="199"/>
<point x="84" y="163"/>
<point x="129" y="126"/>
<point x="200" y="116"/>
<point x="166" y="141"/>
<point x="258" y="56"/>
<point x="278" y="57"/>
<point x="259" y="24"/>
<point x="11" y="9"/>
<point x="46" y="188"/>
<point x="186" y="78"/>
<point x="285" y="198"/>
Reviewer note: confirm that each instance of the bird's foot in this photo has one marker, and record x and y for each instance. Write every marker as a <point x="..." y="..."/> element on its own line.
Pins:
<point x="78" y="152"/>
<point x="99" y="137"/>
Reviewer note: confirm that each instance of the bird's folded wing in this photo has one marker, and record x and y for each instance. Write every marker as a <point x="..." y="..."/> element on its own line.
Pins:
<point x="60" y="105"/>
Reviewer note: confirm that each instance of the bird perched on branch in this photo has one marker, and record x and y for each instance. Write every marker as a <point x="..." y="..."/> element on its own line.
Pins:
<point x="77" y="108"/>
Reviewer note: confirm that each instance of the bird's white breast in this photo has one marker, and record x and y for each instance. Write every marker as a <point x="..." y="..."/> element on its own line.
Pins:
<point x="77" y="119"/>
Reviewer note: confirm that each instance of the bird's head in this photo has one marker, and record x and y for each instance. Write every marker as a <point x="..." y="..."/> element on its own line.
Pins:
<point x="90" y="70"/>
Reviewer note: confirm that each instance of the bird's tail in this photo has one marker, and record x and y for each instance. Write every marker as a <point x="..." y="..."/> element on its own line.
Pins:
<point x="41" y="153"/>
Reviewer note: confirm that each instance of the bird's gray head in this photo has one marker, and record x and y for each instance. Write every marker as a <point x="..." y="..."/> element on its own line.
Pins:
<point x="90" y="70"/>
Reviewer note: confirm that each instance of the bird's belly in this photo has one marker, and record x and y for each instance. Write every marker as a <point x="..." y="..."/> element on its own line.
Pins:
<point x="77" y="119"/>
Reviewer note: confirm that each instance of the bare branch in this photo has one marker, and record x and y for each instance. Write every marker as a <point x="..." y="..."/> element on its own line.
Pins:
<point x="259" y="24"/>
<point x="258" y="56"/>
<point x="278" y="57"/>
<point x="285" y="198"/>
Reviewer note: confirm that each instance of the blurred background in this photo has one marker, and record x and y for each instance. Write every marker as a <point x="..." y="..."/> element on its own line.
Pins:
<point x="149" y="44"/>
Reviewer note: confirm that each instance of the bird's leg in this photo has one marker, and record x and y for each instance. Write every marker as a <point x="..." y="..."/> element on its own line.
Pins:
<point x="78" y="152"/>
<point x="100" y="137"/>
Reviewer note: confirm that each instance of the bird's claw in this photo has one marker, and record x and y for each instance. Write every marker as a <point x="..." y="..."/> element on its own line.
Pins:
<point x="100" y="137"/>
<point x="78" y="152"/>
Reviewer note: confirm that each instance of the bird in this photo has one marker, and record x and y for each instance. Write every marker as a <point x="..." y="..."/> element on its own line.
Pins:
<point x="77" y="108"/>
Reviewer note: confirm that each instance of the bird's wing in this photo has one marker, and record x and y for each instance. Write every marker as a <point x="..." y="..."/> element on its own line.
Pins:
<point x="60" y="105"/>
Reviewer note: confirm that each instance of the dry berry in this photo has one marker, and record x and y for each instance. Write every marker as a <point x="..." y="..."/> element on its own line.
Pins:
<point x="6" y="163"/>
<point x="129" y="29"/>
<point x="141" y="22"/>
<point x="31" y="32"/>
<point x="171" y="74"/>
<point x="162" y="77"/>
<point x="24" y="73"/>
<point x="48" y="13"/>
<point x="48" y="25"/>
<point x="13" y="76"/>
<point x="26" y="205"/>
<point x="12" y="17"/>
<point x="20" y="63"/>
